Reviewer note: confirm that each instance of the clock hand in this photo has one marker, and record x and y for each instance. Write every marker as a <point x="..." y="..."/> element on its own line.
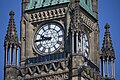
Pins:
<point x="42" y="36"/>
<point x="43" y="39"/>
<point x="38" y="40"/>
<point x="48" y="38"/>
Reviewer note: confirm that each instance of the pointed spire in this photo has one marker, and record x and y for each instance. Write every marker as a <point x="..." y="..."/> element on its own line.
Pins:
<point x="11" y="36"/>
<point x="107" y="49"/>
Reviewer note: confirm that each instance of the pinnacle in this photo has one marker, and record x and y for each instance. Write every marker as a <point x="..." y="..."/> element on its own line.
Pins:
<point x="11" y="36"/>
<point x="107" y="49"/>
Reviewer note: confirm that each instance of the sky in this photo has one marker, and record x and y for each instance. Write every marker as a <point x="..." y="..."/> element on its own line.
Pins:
<point x="108" y="11"/>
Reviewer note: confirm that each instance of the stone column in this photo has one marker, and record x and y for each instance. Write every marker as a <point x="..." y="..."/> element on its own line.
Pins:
<point x="107" y="67"/>
<point x="15" y="55"/>
<point x="103" y="67"/>
<point x="113" y="68"/>
<point x="76" y="41"/>
<point x="6" y="55"/>
<point x="72" y="42"/>
<point x="81" y="43"/>
<point x="10" y="54"/>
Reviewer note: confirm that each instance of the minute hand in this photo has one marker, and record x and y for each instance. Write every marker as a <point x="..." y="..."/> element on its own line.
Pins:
<point x="43" y="39"/>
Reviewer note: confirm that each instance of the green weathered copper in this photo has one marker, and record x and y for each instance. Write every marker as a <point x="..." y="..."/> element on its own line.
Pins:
<point x="44" y="3"/>
<point x="87" y="7"/>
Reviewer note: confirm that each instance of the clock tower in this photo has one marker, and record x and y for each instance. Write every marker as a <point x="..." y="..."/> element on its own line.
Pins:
<point x="59" y="40"/>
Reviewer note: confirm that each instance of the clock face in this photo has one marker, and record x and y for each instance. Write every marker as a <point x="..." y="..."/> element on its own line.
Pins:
<point x="49" y="38"/>
<point x="83" y="44"/>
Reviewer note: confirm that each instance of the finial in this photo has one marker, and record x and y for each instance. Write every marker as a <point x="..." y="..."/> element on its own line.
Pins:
<point x="11" y="13"/>
<point x="107" y="26"/>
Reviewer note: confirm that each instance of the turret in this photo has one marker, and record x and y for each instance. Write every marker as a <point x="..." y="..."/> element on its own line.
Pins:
<point x="107" y="56"/>
<point x="11" y="43"/>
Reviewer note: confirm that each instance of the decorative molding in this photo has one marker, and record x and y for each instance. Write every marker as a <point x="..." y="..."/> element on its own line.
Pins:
<point x="47" y="15"/>
<point x="88" y="22"/>
<point x="55" y="70"/>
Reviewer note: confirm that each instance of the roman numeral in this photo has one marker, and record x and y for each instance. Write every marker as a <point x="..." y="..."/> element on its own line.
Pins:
<point x="39" y="46"/>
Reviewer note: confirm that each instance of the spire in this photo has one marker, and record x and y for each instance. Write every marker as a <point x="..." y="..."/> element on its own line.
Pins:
<point x="11" y="43"/>
<point x="107" y="56"/>
<point x="11" y="36"/>
<point x="107" y="49"/>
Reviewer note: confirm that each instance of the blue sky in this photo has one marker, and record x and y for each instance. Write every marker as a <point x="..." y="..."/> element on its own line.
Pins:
<point x="108" y="12"/>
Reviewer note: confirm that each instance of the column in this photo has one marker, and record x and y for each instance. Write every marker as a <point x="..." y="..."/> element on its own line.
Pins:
<point x="72" y="42"/>
<point x="10" y="54"/>
<point x="76" y="41"/>
<point x="113" y="68"/>
<point x="15" y="55"/>
<point x="6" y="55"/>
<point x="103" y="67"/>
<point x="81" y="38"/>
<point x="107" y="67"/>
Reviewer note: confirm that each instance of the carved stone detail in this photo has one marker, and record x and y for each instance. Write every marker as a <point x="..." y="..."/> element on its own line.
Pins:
<point x="46" y="15"/>
<point x="87" y="21"/>
<point x="50" y="71"/>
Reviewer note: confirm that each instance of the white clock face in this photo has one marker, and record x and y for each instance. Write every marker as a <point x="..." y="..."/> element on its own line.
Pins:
<point x="49" y="38"/>
<point x="83" y="44"/>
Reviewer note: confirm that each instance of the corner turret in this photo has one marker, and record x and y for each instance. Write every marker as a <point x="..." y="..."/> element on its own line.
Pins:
<point x="107" y="56"/>
<point x="11" y="42"/>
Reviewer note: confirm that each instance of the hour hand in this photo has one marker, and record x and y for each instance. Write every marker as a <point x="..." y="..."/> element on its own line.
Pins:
<point x="38" y="40"/>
